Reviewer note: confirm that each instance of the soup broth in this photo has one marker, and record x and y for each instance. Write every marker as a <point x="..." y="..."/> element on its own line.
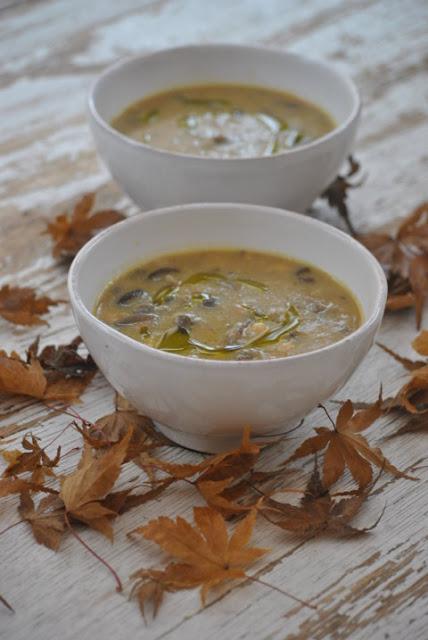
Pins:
<point x="229" y="305"/>
<point x="224" y="121"/>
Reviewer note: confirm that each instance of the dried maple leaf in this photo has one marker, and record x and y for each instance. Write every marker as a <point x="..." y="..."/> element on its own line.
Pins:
<point x="207" y="556"/>
<point x="222" y="495"/>
<point x="84" y="490"/>
<point x="18" y="377"/>
<point x="318" y="512"/>
<point x="216" y="475"/>
<point x="71" y="232"/>
<point x="346" y="447"/>
<point x="404" y="258"/>
<point x="413" y="396"/>
<point x="122" y="501"/>
<point x="10" y="486"/>
<point x="336" y="194"/>
<point x="21" y="305"/>
<point x="229" y="464"/>
<point x="33" y="459"/>
<point x="67" y="372"/>
<point x="46" y="521"/>
<point x="56" y="373"/>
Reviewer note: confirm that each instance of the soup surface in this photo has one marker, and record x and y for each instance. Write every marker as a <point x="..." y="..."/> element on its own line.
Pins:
<point x="229" y="305"/>
<point x="223" y="121"/>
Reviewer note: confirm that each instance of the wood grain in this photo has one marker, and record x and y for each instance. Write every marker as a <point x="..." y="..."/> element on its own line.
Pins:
<point x="370" y="587"/>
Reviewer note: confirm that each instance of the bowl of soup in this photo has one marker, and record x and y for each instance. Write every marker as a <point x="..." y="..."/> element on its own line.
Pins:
<point x="206" y="123"/>
<point x="210" y="317"/>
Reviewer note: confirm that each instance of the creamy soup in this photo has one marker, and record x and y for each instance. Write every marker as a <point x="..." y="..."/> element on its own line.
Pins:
<point x="224" y="121"/>
<point x="229" y="305"/>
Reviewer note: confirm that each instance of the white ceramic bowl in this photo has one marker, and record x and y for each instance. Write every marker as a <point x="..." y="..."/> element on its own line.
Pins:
<point x="204" y="404"/>
<point x="155" y="178"/>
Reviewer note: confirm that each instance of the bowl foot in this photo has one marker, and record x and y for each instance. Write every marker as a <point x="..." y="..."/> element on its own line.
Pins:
<point x="215" y="444"/>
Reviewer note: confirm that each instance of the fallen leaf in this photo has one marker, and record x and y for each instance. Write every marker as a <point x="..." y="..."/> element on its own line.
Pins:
<point x="67" y="372"/>
<point x="229" y="464"/>
<point x="346" y="447"/>
<point x="21" y="378"/>
<point x="109" y="429"/>
<point x="46" y="521"/>
<point x="317" y="513"/>
<point x="83" y="490"/>
<point x="21" y="305"/>
<point x="336" y="193"/>
<point x="413" y="396"/>
<point x="207" y="556"/>
<point x="122" y="501"/>
<point x="32" y="459"/>
<point x="404" y="258"/>
<point x="71" y="232"/>
<point x="57" y="373"/>
<point x="10" y="486"/>
<point x="218" y="477"/>
<point x="221" y="495"/>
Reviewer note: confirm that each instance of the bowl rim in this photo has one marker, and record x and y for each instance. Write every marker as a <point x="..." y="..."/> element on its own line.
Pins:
<point x="306" y="147"/>
<point x="365" y="327"/>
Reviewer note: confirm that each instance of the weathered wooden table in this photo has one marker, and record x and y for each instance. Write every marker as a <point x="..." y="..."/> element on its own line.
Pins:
<point x="50" y="51"/>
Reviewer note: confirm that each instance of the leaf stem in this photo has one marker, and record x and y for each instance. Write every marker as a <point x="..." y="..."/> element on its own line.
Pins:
<point x="6" y="604"/>
<point x="119" y="586"/>
<point x="284" y="593"/>
<point x="11" y="526"/>
<point x="321" y="406"/>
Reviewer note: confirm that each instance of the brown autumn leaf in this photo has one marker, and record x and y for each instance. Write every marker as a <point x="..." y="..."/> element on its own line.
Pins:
<point x="21" y="305"/>
<point x="122" y="501"/>
<point x="404" y="258"/>
<point x="218" y="477"/>
<point x="46" y="521"/>
<point x="109" y="429"/>
<point x="71" y="231"/>
<point x="318" y="513"/>
<point x="18" y="377"/>
<point x="222" y="495"/>
<point x="412" y="397"/>
<point x="336" y="193"/>
<point x="207" y="555"/>
<point x="345" y="446"/>
<point x="9" y="486"/>
<point x="32" y="459"/>
<point x="67" y="372"/>
<point x="57" y="373"/>
<point x="228" y="464"/>
<point x="84" y="490"/>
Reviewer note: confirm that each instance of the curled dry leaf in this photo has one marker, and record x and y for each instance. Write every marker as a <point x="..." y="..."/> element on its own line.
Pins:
<point x="33" y="459"/>
<point x="336" y="193"/>
<point x="84" y="490"/>
<point x="109" y="429"/>
<point x="346" y="447"/>
<point x="412" y="398"/>
<point x="46" y="521"/>
<point x="9" y="486"/>
<point x="207" y="555"/>
<point x="318" y="513"/>
<point x="71" y="231"/>
<point x="404" y="258"/>
<point x="21" y="305"/>
<point x="57" y="373"/>
<point x="218" y="477"/>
